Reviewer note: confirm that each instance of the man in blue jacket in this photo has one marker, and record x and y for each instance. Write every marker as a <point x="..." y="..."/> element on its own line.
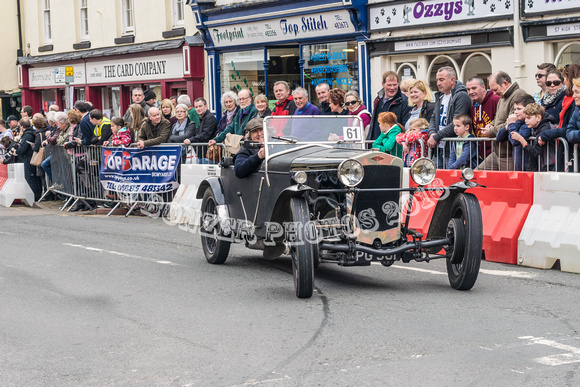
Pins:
<point x="86" y="127"/>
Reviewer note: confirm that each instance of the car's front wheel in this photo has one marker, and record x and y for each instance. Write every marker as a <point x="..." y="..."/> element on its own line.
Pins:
<point x="465" y="229"/>
<point x="302" y="250"/>
<point x="215" y="245"/>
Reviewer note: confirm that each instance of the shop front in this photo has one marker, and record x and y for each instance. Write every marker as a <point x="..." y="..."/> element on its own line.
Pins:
<point x="255" y="45"/>
<point x="415" y="38"/>
<point x="553" y="28"/>
<point x="106" y="77"/>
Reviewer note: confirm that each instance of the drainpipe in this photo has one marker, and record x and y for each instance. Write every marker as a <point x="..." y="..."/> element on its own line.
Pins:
<point x="518" y="64"/>
<point x="19" y="53"/>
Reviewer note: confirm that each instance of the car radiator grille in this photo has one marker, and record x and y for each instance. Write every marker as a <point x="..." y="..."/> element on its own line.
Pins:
<point x="383" y="206"/>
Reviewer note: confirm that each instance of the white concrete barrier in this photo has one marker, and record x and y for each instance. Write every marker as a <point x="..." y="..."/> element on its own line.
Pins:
<point x="185" y="208"/>
<point x="16" y="187"/>
<point x="552" y="230"/>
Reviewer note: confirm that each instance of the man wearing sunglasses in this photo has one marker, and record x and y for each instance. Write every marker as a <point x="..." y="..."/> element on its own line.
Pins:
<point x="543" y="70"/>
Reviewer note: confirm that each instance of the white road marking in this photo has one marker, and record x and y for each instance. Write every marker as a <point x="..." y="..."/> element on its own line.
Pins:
<point x="255" y="383"/>
<point x="573" y="355"/>
<point x="419" y="269"/>
<point x="500" y="273"/>
<point x="122" y="254"/>
<point x="509" y="273"/>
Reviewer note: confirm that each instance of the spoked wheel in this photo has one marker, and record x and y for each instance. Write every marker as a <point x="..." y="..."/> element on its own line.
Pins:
<point x="465" y="229"/>
<point x="215" y="247"/>
<point x="302" y="251"/>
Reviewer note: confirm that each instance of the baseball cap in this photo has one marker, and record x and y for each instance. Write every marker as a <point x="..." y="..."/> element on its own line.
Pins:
<point x="11" y="118"/>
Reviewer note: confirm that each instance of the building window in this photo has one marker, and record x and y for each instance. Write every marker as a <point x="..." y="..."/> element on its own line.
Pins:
<point x="47" y="27"/>
<point x="84" y="20"/>
<point x="332" y="63"/>
<point x="243" y="70"/>
<point x="127" y="12"/>
<point x="178" y="13"/>
<point x="568" y="52"/>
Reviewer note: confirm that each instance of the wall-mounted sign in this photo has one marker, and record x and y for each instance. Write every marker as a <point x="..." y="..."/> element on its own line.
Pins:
<point x="46" y="76"/>
<point x="282" y="29"/>
<point x="417" y="13"/>
<point x="433" y="44"/>
<point x="543" y="6"/>
<point x="563" y="29"/>
<point x="136" y="69"/>
<point x="59" y="74"/>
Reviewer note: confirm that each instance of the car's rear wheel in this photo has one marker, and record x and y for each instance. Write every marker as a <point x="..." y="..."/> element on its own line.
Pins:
<point x="302" y="251"/>
<point x="215" y="247"/>
<point x="465" y="228"/>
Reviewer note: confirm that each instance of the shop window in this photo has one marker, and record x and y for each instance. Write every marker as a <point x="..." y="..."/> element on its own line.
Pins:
<point x="48" y="98"/>
<point x="436" y="62"/>
<point x="476" y="65"/>
<point x="283" y="65"/>
<point x="80" y="94"/>
<point x="178" y="13"/>
<point x="111" y="101"/>
<point x="243" y="70"/>
<point x="568" y="52"/>
<point x="47" y="25"/>
<point x="407" y="70"/>
<point x="127" y="15"/>
<point x="84" y="20"/>
<point x="332" y="63"/>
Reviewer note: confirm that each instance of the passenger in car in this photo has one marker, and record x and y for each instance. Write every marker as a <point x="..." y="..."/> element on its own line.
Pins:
<point x="249" y="159"/>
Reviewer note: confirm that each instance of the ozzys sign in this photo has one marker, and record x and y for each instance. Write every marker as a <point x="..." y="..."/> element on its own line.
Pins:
<point x="412" y="14"/>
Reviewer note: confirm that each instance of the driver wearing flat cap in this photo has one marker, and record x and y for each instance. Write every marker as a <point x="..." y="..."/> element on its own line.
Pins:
<point x="249" y="159"/>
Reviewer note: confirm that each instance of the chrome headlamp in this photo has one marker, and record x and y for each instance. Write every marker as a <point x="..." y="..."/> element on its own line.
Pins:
<point x="468" y="174"/>
<point x="350" y="173"/>
<point x="300" y="177"/>
<point x="423" y="171"/>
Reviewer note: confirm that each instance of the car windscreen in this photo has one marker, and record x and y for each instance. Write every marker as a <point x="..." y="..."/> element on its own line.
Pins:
<point x="284" y="132"/>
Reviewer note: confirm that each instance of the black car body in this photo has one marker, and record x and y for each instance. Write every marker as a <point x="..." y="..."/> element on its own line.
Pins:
<point x="335" y="202"/>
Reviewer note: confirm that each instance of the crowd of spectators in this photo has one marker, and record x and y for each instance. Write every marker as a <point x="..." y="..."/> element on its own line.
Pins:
<point x="407" y="118"/>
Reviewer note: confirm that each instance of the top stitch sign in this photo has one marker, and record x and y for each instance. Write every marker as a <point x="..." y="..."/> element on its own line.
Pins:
<point x="287" y="28"/>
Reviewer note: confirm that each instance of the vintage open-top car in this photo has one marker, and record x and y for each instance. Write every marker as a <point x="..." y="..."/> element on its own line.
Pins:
<point x="336" y="202"/>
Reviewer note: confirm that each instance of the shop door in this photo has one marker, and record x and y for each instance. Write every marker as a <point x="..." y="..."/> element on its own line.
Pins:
<point x="283" y="65"/>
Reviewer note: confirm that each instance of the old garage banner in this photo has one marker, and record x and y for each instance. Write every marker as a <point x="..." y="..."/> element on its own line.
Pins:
<point x="132" y="170"/>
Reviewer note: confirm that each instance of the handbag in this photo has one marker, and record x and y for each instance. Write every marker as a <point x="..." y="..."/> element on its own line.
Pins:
<point x="37" y="157"/>
<point x="213" y="153"/>
<point x="190" y="156"/>
<point x="232" y="143"/>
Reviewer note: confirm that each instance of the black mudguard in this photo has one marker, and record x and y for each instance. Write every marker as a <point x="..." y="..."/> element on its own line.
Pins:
<point x="216" y="186"/>
<point x="442" y="213"/>
<point x="280" y="215"/>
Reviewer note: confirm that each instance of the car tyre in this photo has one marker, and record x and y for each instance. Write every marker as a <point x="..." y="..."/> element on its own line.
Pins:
<point x="215" y="247"/>
<point x="466" y="229"/>
<point x="302" y="252"/>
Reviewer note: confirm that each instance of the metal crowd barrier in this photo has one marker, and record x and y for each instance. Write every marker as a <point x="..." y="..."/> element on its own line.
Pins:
<point x="500" y="155"/>
<point x="575" y="158"/>
<point x="75" y="175"/>
<point x="493" y="155"/>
